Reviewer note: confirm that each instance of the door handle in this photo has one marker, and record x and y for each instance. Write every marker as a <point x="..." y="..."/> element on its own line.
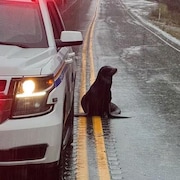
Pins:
<point x="71" y="55"/>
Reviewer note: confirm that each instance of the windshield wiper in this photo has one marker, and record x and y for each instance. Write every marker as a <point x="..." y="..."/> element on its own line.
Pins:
<point x="13" y="44"/>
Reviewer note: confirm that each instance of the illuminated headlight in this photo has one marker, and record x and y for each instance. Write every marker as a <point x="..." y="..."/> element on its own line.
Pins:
<point x="28" y="90"/>
<point x="31" y="97"/>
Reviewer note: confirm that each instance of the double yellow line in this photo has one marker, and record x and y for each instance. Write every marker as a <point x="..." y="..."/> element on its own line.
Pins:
<point x="82" y="156"/>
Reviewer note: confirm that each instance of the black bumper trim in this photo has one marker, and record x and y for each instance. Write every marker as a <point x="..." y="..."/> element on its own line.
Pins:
<point x="46" y="171"/>
<point x="23" y="153"/>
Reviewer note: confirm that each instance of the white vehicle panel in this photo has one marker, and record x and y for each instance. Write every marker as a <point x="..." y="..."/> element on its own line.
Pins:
<point x="16" y="61"/>
<point x="36" y="87"/>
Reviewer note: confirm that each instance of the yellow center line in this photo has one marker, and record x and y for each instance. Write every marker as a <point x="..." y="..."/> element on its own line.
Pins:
<point x="82" y="159"/>
<point x="102" y="162"/>
<point x="82" y="162"/>
<point x="101" y="155"/>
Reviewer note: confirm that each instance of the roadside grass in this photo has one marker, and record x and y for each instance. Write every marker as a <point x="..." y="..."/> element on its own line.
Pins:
<point x="167" y="20"/>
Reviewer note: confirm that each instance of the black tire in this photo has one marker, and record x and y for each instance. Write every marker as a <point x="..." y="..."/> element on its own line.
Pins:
<point x="69" y="126"/>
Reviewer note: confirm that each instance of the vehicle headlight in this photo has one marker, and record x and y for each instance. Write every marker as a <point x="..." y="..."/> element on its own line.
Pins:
<point x="31" y="97"/>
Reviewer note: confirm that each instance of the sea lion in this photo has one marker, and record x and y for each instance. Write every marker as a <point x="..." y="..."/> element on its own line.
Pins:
<point x="97" y="100"/>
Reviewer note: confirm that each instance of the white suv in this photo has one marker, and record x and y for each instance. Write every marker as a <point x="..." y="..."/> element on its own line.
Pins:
<point x="37" y="79"/>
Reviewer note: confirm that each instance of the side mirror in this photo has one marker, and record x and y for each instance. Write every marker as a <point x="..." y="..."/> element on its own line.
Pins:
<point x="69" y="38"/>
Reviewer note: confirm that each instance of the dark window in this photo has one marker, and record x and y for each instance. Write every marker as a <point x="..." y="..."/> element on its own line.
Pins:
<point x="55" y="19"/>
<point x="22" y="23"/>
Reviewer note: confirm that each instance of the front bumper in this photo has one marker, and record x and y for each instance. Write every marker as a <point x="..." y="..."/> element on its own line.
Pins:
<point x="31" y="141"/>
<point x="48" y="171"/>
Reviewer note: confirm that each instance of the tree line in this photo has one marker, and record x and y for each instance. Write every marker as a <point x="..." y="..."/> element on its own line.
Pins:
<point x="168" y="12"/>
<point x="173" y="5"/>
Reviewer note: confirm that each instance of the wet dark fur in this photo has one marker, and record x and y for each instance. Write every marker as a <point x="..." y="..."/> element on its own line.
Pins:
<point x="97" y="100"/>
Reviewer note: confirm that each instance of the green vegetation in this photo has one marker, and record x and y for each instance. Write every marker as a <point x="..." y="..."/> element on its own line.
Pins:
<point x="167" y="16"/>
<point x="173" y="5"/>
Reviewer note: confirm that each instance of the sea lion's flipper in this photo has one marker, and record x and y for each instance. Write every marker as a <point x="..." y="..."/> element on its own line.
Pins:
<point x="111" y="116"/>
<point x="114" y="116"/>
<point x="114" y="109"/>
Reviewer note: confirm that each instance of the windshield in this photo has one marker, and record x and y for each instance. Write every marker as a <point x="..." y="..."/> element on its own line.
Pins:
<point x="21" y="24"/>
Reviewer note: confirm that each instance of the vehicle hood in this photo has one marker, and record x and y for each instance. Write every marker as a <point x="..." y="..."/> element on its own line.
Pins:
<point x="17" y="61"/>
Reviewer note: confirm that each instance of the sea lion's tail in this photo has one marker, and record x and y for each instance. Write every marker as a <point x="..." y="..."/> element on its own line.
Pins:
<point x="118" y="117"/>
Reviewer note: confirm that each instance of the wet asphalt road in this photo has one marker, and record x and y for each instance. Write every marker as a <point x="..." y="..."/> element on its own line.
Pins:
<point x="146" y="88"/>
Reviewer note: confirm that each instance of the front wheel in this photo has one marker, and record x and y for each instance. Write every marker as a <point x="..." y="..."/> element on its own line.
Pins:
<point x="67" y="139"/>
<point x="68" y="129"/>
